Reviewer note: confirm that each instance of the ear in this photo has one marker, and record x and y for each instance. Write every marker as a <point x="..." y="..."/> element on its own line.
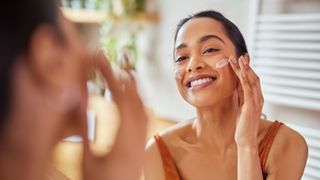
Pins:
<point x="45" y="56"/>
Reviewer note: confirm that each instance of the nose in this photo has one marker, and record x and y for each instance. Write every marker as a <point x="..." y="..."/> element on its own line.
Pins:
<point x="195" y="64"/>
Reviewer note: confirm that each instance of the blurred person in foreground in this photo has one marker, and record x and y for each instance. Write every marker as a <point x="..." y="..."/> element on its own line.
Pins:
<point x="228" y="139"/>
<point x="43" y="73"/>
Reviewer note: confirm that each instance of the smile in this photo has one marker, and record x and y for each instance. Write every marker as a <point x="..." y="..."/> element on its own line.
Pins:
<point x="200" y="81"/>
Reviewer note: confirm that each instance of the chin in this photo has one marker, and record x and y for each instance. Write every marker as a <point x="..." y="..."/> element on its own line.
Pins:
<point x="203" y="99"/>
<point x="206" y="98"/>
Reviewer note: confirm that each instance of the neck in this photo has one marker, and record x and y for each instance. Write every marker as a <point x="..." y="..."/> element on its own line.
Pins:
<point x="216" y="125"/>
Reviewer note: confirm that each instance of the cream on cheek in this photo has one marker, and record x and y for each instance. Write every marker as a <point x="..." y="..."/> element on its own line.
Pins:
<point x="178" y="72"/>
<point x="222" y="63"/>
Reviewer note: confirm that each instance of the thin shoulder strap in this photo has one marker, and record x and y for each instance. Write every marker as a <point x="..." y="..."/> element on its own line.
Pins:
<point x="266" y="143"/>
<point x="170" y="169"/>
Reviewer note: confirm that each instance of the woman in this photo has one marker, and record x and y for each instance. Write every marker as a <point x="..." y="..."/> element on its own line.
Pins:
<point x="43" y="73"/>
<point x="227" y="139"/>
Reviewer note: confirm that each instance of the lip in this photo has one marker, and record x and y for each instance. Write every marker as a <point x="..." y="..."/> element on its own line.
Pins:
<point x="200" y="76"/>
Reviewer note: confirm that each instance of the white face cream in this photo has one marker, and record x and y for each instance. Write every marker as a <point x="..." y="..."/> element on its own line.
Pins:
<point x="177" y="72"/>
<point x="222" y="63"/>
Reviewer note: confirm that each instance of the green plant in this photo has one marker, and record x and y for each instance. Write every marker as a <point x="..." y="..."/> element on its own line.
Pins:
<point x="140" y="5"/>
<point x="109" y="46"/>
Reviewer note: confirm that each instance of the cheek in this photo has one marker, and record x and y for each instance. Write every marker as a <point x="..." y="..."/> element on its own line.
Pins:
<point x="178" y="72"/>
<point x="228" y="78"/>
<point x="222" y="63"/>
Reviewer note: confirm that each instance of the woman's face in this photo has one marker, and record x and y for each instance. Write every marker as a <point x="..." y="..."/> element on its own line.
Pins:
<point x="73" y="79"/>
<point x="201" y="47"/>
<point x="49" y="80"/>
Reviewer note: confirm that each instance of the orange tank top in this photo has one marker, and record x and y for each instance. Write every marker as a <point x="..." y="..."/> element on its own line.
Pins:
<point x="172" y="173"/>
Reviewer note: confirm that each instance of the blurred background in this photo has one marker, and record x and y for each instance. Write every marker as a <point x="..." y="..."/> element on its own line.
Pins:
<point x="283" y="37"/>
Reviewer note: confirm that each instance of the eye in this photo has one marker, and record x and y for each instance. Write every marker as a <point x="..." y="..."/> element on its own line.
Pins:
<point x="181" y="58"/>
<point x="210" y="50"/>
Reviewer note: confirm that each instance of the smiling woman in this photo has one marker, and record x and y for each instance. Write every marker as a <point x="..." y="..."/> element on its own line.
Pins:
<point x="227" y="139"/>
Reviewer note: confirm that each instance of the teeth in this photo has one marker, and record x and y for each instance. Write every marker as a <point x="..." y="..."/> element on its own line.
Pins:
<point x="200" y="81"/>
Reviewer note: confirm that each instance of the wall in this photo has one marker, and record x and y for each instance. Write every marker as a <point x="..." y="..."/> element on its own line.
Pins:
<point x="304" y="117"/>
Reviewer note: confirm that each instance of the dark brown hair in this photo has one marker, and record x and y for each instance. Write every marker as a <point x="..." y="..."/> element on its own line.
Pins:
<point x="230" y="28"/>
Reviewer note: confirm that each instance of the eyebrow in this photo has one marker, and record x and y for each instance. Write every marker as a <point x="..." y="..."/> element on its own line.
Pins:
<point x="180" y="46"/>
<point x="210" y="36"/>
<point x="201" y="40"/>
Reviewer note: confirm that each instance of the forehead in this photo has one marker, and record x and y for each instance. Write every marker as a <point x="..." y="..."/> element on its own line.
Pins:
<point x="198" y="27"/>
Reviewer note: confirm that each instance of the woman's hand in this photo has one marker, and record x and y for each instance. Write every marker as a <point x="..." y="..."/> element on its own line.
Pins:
<point x="250" y="103"/>
<point x="126" y="158"/>
<point x="250" y="107"/>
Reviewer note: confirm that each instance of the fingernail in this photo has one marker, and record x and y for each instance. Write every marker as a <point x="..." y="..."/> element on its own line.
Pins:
<point x="240" y="58"/>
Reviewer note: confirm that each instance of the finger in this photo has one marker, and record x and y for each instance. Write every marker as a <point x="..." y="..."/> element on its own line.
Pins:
<point x="132" y="89"/>
<point x="240" y="93"/>
<point x="93" y="59"/>
<point x="131" y="82"/>
<point x="234" y="65"/>
<point x="128" y="74"/>
<point x="244" y="80"/>
<point x="259" y="91"/>
<point x="125" y="65"/>
<point x="254" y="82"/>
<point x="250" y="78"/>
<point x="258" y="85"/>
<point x="106" y="71"/>
<point x="260" y="94"/>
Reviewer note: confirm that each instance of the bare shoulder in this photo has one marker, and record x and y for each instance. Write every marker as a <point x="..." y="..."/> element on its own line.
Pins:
<point x="288" y="155"/>
<point x="153" y="167"/>
<point x="173" y="134"/>
<point x="286" y="141"/>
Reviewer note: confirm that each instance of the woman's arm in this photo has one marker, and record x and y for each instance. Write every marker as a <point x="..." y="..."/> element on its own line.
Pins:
<point x="249" y="163"/>
<point x="288" y="155"/>
<point x="250" y="108"/>
<point x="126" y="158"/>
